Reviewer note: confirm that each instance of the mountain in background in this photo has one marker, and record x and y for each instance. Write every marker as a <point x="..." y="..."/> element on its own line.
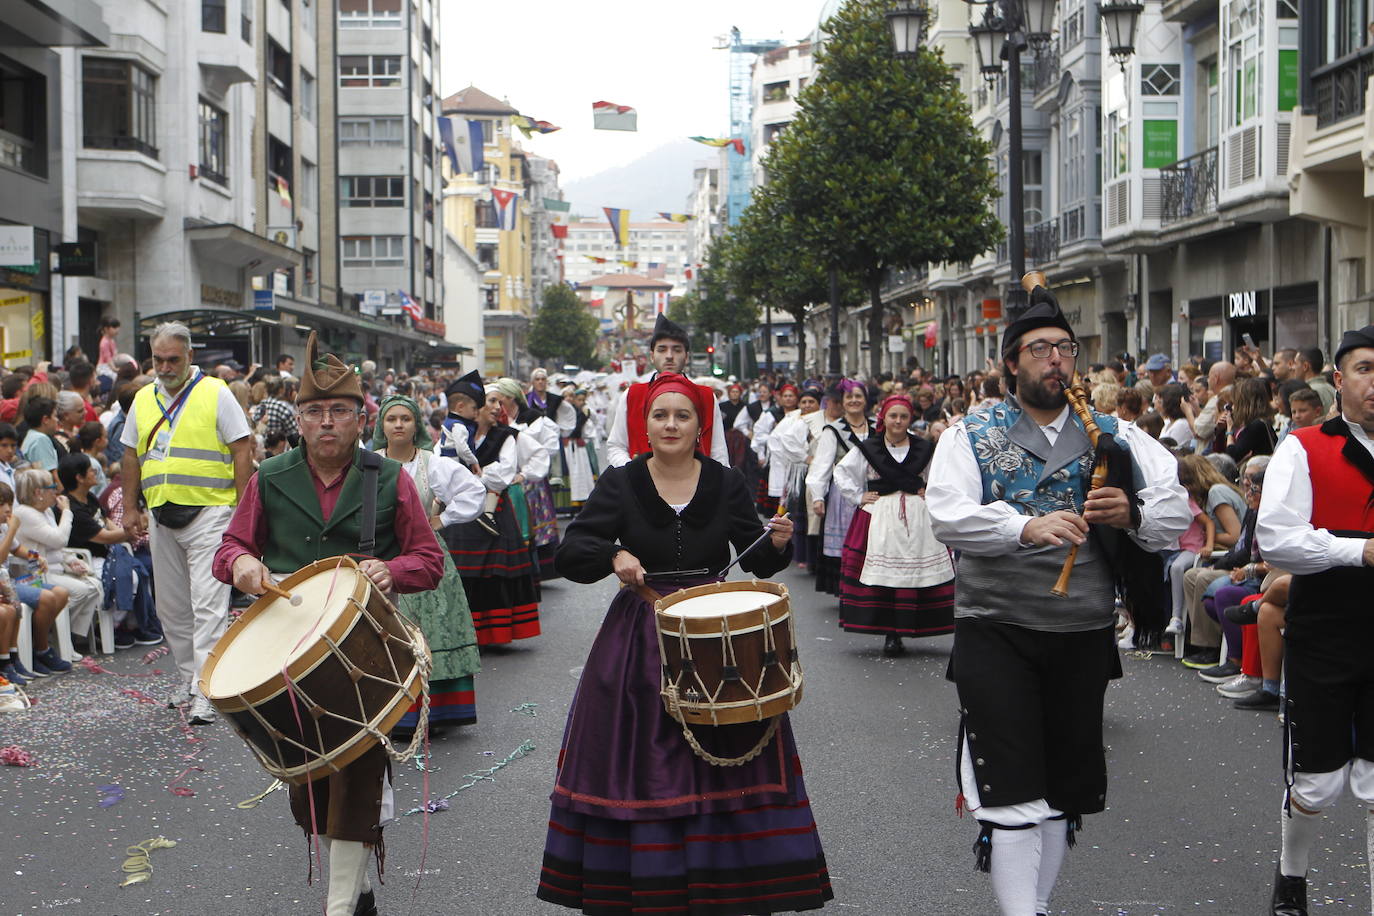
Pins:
<point x="660" y="180"/>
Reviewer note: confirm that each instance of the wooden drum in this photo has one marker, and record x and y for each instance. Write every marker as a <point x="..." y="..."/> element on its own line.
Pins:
<point x="729" y="652"/>
<point x="355" y="666"/>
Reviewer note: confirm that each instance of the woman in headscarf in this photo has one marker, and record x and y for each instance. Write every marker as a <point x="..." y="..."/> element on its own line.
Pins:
<point x="895" y="578"/>
<point x="827" y="500"/>
<point x="791" y="446"/>
<point x="579" y="448"/>
<point x="639" y="822"/>
<point x="498" y="570"/>
<point x="538" y="448"/>
<point x="451" y="495"/>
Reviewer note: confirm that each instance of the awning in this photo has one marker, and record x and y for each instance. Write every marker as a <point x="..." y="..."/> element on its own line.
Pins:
<point x="53" y="24"/>
<point x="237" y="247"/>
<point x="204" y="323"/>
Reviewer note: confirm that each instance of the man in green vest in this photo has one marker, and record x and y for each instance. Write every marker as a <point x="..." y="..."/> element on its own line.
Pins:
<point x="313" y="497"/>
<point x="188" y="457"/>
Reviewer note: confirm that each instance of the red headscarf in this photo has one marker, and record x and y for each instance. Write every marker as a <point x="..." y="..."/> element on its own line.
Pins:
<point x="789" y="385"/>
<point x="641" y="399"/>
<point x="888" y="402"/>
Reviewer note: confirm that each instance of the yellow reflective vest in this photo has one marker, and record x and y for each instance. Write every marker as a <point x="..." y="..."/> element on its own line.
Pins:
<point x="196" y="469"/>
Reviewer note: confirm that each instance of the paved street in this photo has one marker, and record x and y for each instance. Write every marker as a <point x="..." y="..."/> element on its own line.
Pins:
<point x="1192" y="826"/>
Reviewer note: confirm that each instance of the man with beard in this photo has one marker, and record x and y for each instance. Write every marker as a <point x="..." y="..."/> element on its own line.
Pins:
<point x="1005" y="488"/>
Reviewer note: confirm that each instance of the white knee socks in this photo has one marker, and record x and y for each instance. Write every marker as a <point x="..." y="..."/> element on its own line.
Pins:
<point x="1015" y="869"/>
<point x="347" y="875"/>
<point x="1054" y="844"/>
<point x="1299" y="833"/>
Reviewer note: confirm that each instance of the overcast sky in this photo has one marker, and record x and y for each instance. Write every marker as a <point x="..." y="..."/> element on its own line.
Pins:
<point x="552" y="59"/>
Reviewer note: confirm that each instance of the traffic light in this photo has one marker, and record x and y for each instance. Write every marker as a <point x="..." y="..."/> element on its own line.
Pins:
<point x="710" y="351"/>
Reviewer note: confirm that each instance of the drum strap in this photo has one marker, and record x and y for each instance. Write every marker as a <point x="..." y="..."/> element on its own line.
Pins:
<point x="367" y="538"/>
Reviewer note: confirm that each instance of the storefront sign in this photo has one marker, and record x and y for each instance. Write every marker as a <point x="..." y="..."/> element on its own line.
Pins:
<point x="436" y="328"/>
<point x="372" y="301"/>
<point x="14" y="300"/>
<point x="895" y="344"/>
<point x="992" y="309"/>
<point x="17" y="354"/>
<point x="16" y="246"/>
<point x="1161" y="143"/>
<point x="217" y="295"/>
<point x="264" y="300"/>
<point x="76" y="259"/>
<point x="1241" y="305"/>
<point x="36" y="325"/>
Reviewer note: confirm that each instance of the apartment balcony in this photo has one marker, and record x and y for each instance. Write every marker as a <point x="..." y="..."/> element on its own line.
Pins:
<point x="1339" y="87"/>
<point x="1188" y="188"/>
<point x="124" y="184"/>
<point x="1042" y="242"/>
<point x="1186" y="11"/>
<point x="1044" y="70"/>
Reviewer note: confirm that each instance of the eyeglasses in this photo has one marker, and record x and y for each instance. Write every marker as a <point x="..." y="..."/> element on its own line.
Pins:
<point x="1040" y="349"/>
<point x="338" y="413"/>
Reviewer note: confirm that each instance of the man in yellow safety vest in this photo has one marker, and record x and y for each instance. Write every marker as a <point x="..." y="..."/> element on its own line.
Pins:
<point x="188" y="457"/>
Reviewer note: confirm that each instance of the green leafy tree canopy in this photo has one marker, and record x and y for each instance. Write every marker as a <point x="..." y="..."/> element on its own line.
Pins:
<point x="563" y="329"/>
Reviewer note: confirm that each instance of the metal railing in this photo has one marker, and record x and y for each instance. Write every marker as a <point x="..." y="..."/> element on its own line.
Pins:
<point x="1044" y="71"/>
<point x="1339" y="87"/>
<point x="1042" y="242"/>
<point x="1188" y="187"/>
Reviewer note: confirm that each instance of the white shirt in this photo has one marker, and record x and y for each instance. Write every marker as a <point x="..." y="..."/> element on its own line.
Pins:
<point x="853" y="473"/>
<point x="499" y="474"/>
<point x="1284" y="527"/>
<point x="230" y="421"/>
<point x="823" y="464"/>
<point x="535" y="447"/>
<point x="1179" y="431"/>
<point x="954" y="495"/>
<point x="45" y="533"/>
<point x="458" y="490"/>
<point x="618" y="438"/>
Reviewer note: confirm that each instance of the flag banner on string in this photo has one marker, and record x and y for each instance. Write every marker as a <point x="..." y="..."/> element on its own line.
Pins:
<point x="630" y="264"/>
<point x="505" y="207"/>
<point x="610" y="116"/>
<point x="735" y="142"/>
<point x="619" y="219"/>
<point x="660" y="302"/>
<point x="594" y="259"/>
<point x="410" y="306"/>
<point x="463" y="142"/>
<point x="675" y="217"/>
<point x="560" y="212"/>
<point x="530" y="126"/>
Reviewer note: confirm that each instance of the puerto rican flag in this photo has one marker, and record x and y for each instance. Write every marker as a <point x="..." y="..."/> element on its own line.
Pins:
<point x="505" y="207"/>
<point x="410" y="306"/>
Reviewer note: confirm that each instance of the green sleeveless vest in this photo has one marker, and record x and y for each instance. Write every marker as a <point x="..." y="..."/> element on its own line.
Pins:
<point x="297" y="533"/>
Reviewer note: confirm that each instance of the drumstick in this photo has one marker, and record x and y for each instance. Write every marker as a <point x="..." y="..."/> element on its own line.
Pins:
<point x="782" y="513"/>
<point x="283" y="593"/>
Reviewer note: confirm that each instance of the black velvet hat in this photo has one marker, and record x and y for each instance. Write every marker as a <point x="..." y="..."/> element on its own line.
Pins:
<point x="1044" y="312"/>
<point x="470" y="385"/>
<point x="669" y="330"/>
<point x="1353" y="340"/>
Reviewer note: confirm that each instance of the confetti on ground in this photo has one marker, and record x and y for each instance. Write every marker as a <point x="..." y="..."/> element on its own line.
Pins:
<point x="15" y="756"/>
<point x="525" y="749"/>
<point x="527" y="709"/>
<point x="110" y="795"/>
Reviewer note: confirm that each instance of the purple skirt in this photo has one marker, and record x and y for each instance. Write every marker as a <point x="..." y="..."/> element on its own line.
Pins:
<point x="885" y="611"/>
<point x="639" y="823"/>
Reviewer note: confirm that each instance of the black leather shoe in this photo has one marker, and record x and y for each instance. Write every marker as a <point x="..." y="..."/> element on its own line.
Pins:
<point x="893" y="646"/>
<point x="366" y="905"/>
<point x="1243" y="614"/>
<point x="1290" y="895"/>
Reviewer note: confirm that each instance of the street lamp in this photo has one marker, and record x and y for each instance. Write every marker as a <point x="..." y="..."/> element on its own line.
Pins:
<point x="1121" y="18"/>
<point x="907" y="19"/>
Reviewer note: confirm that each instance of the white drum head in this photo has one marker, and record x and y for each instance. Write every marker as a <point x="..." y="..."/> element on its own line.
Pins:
<point x="282" y="633"/>
<point x="721" y="604"/>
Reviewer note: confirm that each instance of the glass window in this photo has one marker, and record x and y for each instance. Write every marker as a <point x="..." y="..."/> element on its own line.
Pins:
<point x="213" y="16"/>
<point x="279" y="161"/>
<point x="309" y="185"/>
<point x="369" y="14"/>
<point x="372" y="190"/>
<point x="23" y="119"/>
<point x="214" y="143"/>
<point x="118" y="100"/>
<point x="373" y="251"/>
<point x="355" y="131"/>
<point x="369" y="71"/>
<point x="308" y="96"/>
<point x="279" y="69"/>
<point x="308" y="273"/>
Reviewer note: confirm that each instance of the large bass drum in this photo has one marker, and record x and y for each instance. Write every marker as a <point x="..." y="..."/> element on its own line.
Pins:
<point x="729" y="652"/>
<point x="352" y="662"/>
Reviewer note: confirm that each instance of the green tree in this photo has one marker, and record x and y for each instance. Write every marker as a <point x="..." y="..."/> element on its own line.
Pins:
<point x="720" y="309"/>
<point x="563" y="329"/>
<point x="882" y="168"/>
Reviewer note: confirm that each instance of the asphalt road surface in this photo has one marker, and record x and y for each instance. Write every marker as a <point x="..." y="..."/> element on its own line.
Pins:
<point x="1192" y="825"/>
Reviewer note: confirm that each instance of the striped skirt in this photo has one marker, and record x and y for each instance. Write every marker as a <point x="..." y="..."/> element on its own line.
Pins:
<point x="885" y="611"/>
<point x="543" y="526"/>
<point x="499" y="576"/>
<point x="451" y="702"/>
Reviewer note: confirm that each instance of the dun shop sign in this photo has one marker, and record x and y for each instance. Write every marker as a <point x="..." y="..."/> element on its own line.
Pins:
<point x="1242" y="305"/>
<point x="427" y="326"/>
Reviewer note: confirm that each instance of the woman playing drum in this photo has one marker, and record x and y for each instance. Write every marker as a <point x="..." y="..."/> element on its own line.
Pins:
<point x="640" y="823"/>
<point x="451" y="494"/>
<point x="895" y="578"/>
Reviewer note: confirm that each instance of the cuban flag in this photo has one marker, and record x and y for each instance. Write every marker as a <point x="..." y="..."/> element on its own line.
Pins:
<point x="505" y="207"/>
<point x="410" y="306"/>
<point x="463" y="144"/>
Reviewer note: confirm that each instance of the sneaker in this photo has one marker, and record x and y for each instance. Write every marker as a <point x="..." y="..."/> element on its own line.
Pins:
<point x="1127" y="640"/>
<point x="1206" y="658"/>
<point x="180" y="697"/>
<point x="202" y="712"/>
<point x="1175" y="626"/>
<point x="366" y="905"/>
<point x="19" y="666"/>
<point x="13" y="676"/>
<point x="147" y="639"/>
<point x="40" y="669"/>
<point x="1239" y="686"/>
<point x="1261" y="700"/>
<point x="1220" y="674"/>
<point x="54" y="664"/>
<point x="893" y="647"/>
<point x="1243" y="614"/>
<point x="488" y="523"/>
<point x="123" y="639"/>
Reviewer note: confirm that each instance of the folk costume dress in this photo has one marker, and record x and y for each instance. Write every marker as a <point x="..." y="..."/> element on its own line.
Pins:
<point x="895" y="578"/>
<point x="639" y="823"/>
<point x="538" y="449"/>
<point x="579" y="448"/>
<point x="442" y="612"/>
<point x="790" y="446"/>
<point x="498" y="571"/>
<point x="834" y="442"/>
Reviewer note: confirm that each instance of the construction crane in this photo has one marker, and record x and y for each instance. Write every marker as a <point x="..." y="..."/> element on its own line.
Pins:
<point x="742" y="54"/>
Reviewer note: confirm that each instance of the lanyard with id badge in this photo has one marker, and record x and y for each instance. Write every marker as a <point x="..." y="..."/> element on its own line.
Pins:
<point x="159" y="440"/>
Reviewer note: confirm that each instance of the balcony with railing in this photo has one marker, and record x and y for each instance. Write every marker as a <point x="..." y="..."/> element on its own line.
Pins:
<point x="1339" y="87"/>
<point x="1188" y="187"/>
<point x="1044" y="69"/>
<point x="1042" y="242"/>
